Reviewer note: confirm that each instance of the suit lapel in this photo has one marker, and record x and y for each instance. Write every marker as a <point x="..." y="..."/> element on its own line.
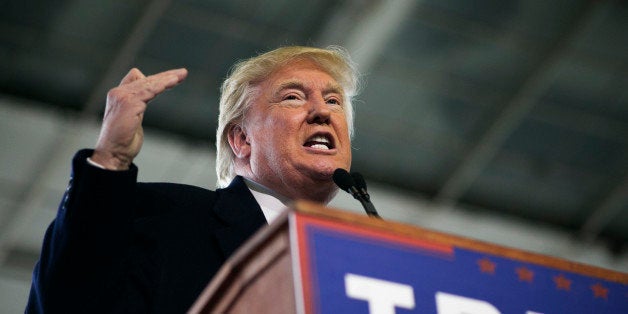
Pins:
<point x="241" y="214"/>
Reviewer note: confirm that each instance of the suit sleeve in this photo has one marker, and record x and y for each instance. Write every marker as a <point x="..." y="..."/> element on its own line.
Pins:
<point x="84" y="254"/>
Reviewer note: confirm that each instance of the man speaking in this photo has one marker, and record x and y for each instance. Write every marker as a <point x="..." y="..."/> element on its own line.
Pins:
<point x="119" y="246"/>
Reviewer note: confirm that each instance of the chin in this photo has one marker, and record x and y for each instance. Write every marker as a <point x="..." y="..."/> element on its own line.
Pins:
<point x="321" y="169"/>
<point x="324" y="193"/>
<point x="325" y="172"/>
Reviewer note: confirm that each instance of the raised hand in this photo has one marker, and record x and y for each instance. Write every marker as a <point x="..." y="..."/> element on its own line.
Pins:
<point x="121" y="134"/>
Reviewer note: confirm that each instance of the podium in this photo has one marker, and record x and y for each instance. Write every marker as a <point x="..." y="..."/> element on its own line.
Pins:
<point x="320" y="260"/>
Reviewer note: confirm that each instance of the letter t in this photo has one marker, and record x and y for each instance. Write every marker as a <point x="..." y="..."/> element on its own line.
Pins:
<point x="381" y="295"/>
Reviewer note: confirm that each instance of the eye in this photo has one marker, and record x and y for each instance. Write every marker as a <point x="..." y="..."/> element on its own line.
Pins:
<point x="291" y="97"/>
<point x="332" y="101"/>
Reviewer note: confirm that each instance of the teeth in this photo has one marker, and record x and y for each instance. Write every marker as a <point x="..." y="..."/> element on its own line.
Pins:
<point x="320" y="139"/>
<point x="319" y="142"/>
<point x="319" y="146"/>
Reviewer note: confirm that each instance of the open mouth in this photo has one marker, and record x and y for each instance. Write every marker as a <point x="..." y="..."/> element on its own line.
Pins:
<point x="320" y="141"/>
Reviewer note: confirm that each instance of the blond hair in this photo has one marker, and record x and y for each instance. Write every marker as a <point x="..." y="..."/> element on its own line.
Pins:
<point x="237" y="90"/>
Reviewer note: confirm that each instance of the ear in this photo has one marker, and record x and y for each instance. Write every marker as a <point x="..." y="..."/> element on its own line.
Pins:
<point x="238" y="141"/>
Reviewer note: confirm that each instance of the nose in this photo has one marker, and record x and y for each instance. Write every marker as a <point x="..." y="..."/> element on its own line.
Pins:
<point x="318" y="111"/>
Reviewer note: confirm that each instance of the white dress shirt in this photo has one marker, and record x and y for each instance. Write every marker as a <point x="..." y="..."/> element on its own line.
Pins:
<point x="272" y="204"/>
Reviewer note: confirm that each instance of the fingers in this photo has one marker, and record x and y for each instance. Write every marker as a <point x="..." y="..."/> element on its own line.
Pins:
<point x="121" y="134"/>
<point x="133" y="75"/>
<point x="144" y="88"/>
<point x="151" y="86"/>
<point x="181" y="73"/>
<point x="170" y="78"/>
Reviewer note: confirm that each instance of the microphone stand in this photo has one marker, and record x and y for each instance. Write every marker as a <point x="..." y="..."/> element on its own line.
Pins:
<point x="346" y="182"/>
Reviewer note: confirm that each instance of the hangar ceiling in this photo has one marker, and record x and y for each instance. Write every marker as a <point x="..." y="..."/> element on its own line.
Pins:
<point x="508" y="107"/>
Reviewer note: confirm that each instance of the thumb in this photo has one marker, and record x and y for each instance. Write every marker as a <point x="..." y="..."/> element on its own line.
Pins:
<point x="133" y="75"/>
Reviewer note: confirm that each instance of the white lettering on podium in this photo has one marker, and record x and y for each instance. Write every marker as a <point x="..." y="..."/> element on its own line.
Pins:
<point x="382" y="296"/>
<point x="454" y="304"/>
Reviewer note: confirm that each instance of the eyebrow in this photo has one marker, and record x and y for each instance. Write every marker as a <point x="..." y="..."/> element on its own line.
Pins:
<point x="330" y="88"/>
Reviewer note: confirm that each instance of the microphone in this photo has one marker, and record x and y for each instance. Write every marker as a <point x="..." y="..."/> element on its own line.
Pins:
<point x="361" y="184"/>
<point x="348" y="183"/>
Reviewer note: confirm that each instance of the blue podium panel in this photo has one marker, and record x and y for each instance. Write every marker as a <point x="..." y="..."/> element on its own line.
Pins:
<point x="348" y="269"/>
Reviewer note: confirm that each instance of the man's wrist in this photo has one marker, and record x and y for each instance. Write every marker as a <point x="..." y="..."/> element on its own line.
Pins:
<point x="108" y="163"/>
<point x="95" y="164"/>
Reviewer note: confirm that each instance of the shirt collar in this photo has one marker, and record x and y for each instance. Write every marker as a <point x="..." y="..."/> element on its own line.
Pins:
<point x="272" y="203"/>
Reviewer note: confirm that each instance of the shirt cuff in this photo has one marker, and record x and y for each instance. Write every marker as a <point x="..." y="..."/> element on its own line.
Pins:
<point x="95" y="164"/>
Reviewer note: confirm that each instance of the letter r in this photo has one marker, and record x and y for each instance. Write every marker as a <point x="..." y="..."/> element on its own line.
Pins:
<point x="454" y="304"/>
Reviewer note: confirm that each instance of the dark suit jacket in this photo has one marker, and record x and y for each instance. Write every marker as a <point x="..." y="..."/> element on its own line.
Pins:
<point x="117" y="246"/>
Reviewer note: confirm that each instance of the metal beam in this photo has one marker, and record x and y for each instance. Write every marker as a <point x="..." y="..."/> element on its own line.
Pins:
<point x="617" y="198"/>
<point x="127" y="53"/>
<point x="370" y="26"/>
<point x="69" y="132"/>
<point x="608" y="209"/>
<point x="516" y="109"/>
<point x="227" y="26"/>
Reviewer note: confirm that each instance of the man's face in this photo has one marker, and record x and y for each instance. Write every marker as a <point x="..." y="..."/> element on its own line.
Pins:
<point x="297" y="131"/>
